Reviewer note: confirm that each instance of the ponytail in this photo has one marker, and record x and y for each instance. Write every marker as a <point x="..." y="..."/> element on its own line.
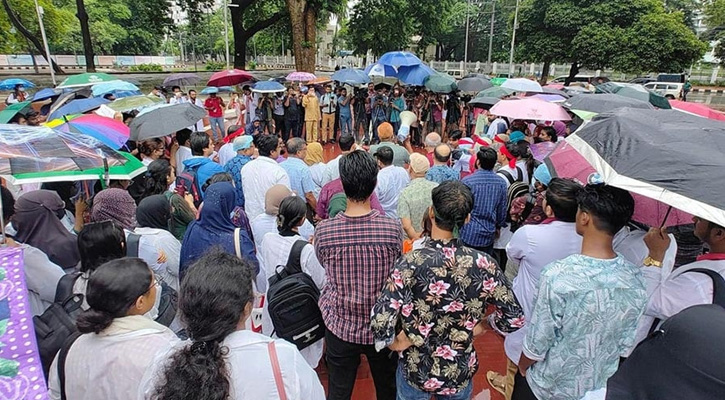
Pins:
<point x="292" y="210"/>
<point x="93" y="321"/>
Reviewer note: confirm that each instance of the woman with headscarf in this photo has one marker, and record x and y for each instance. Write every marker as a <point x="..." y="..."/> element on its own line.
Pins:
<point x="153" y="216"/>
<point x="267" y="222"/>
<point x="215" y="228"/>
<point x="317" y="166"/>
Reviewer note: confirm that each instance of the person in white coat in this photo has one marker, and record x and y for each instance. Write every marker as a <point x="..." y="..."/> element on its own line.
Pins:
<point x="221" y="360"/>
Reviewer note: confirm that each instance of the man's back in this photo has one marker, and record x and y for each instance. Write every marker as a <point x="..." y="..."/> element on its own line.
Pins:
<point x="489" y="208"/>
<point x="257" y="177"/>
<point x="401" y="157"/>
<point x="391" y="181"/>
<point x="299" y="175"/>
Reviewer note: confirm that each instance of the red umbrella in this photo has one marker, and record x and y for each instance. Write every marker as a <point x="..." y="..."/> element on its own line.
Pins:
<point x="229" y="78"/>
<point x="697" y="109"/>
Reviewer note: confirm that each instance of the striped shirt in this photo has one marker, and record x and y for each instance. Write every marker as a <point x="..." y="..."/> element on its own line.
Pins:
<point x="489" y="208"/>
<point x="358" y="254"/>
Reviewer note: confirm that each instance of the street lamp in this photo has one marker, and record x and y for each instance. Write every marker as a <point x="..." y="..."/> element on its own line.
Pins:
<point x="513" y="40"/>
<point x="468" y="18"/>
<point x="40" y="12"/>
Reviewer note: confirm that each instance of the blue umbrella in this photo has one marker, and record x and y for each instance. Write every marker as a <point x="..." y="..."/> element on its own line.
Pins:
<point x="9" y="84"/>
<point x="268" y="87"/>
<point x="380" y="70"/>
<point x="126" y="93"/>
<point x="78" y="107"/>
<point x="351" y="76"/>
<point x="109" y="87"/>
<point x="415" y="75"/>
<point x="210" y="90"/>
<point x="46" y="93"/>
<point x="399" y="59"/>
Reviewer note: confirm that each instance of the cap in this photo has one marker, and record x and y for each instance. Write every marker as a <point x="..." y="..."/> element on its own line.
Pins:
<point x="419" y="163"/>
<point x="242" y="142"/>
<point x="385" y="131"/>
<point x="542" y="175"/>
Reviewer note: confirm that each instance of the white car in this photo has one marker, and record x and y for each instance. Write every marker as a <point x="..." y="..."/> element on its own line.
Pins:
<point x="670" y="90"/>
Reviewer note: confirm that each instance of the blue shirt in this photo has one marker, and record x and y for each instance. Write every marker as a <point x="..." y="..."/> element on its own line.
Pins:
<point x="344" y="109"/>
<point x="395" y="114"/>
<point x="234" y="168"/>
<point x="489" y="208"/>
<point x="440" y="173"/>
<point x="299" y="176"/>
<point x="585" y="317"/>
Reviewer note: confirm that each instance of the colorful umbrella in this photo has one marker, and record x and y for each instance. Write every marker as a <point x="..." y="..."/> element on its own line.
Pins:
<point x="181" y="79"/>
<point x="111" y="132"/>
<point x="415" y="75"/>
<point x="78" y="107"/>
<point x="495" y="91"/>
<point x="298" y="76"/>
<point x="398" y="59"/>
<point x="268" y="87"/>
<point x="474" y="85"/>
<point x="522" y="85"/>
<point x="133" y="103"/>
<point x="10" y="83"/>
<point x="541" y="150"/>
<point x="351" y="76"/>
<point x="320" y="80"/>
<point x="555" y="86"/>
<point x="530" y="109"/>
<point x="600" y="103"/>
<point x="229" y="77"/>
<point x="164" y="119"/>
<point x="697" y="109"/>
<point x="129" y="170"/>
<point x="114" y="86"/>
<point x="12" y="110"/>
<point x="381" y="70"/>
<point x="441" y="83"/>
<point x="565" y="162"/>
<point x="86" y="79"/>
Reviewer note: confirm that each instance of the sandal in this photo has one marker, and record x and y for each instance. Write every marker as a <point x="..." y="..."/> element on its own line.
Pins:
<point x="496" y="381"/>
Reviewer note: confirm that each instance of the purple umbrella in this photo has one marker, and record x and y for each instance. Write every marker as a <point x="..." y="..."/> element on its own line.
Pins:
<point x="299" y="76"/>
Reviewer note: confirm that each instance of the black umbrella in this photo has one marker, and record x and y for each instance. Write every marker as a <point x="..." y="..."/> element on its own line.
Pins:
<point x="483" y="102"/>
<point x="474" y="85"/>
<point x="164" y="119"/>
<point x="600" y="103"/>
<point x="675" y="158"/>
<point x="549" y="90"/>
<point x="182" y="79"/>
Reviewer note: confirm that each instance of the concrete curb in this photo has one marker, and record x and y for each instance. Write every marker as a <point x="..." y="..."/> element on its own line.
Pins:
<point x="709" y="91"/>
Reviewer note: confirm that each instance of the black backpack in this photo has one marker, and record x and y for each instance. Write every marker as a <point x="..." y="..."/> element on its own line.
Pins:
<point x="292" y="299"/>
<point x="169" y="297"/>
<point x="517" y="188"/>
<point x="54" y="326"/>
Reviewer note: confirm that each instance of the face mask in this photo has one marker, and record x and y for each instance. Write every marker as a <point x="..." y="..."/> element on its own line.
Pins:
<point x="153" y="313"/>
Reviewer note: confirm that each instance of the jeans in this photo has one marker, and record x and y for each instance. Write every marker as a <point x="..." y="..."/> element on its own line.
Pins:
<point x="345" y="124"/>
<point x="217" y="122"/>
<point x="343" y="358"/>
<point x="407" y="392"/>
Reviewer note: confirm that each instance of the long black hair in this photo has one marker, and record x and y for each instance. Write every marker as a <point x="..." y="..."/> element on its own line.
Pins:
<point x="112" y="289"/>
<point x="292" y="210"/>
<point x="100" y="242"/>
<point x="156" y="178"/>
<point x="213" y="297"/>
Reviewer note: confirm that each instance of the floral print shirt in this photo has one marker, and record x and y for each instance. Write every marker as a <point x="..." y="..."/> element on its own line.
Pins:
<point x="438" y="294"/>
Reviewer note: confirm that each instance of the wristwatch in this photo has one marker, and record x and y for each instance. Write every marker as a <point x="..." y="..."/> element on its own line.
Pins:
<point x="651" y="262"/>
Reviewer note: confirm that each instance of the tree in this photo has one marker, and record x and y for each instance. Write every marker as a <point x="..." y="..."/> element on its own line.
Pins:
<point x="250" y="17"/>
<point x="304" y="16"/>
<point x="86" y="34"/>
<point x="715" y="20"/>
<point x="371" y="28"/>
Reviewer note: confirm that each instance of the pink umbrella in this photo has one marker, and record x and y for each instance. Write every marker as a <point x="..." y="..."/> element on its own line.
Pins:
<point x="557" y="86"/>
<point x="566" y="162"/>
<point x="298" y="76"/>
<point x="698" y="109"/>
<point x="530" y="108"/>
<point x="229" y="77"/>
<point x="549" y="97"/>
<point x="541" y="150"/>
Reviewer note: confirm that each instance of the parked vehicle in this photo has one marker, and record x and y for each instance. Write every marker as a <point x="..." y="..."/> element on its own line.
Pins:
<point x="587" y="79"/>
<point x="676" y="78"/>
<point x="642" y="80"/>
<point x="670" y="90"/>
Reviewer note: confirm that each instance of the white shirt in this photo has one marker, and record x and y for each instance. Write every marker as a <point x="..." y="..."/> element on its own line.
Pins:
<point x="110" y="366"/>
<point x="391" y="181"/>
<point x="275" y="251"/>
<point x="199" y="126"/>
<point x="226" y="153"/>
<point x="533" y="247"/>
<point x="183" y="154"/>
<point x="265" y="223"/>
<point x="258" y="176"/>
<point x="153" y="244"/>
<point x="42" y="277"/>
<point x="333" y="170"/>
<point x="178" y="100"/>
<point x="328" y="103"/>
<point x="318" y="172"/>
<point x="493" y="129"/>
<point x="250" y="370"/>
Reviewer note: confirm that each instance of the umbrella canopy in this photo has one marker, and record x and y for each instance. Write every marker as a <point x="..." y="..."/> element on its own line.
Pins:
<point x="78" y="107"/>
<point x="495" y="91"/>
<point x="599" y="103"/>
<point x="398" y="59"/>
<point x="39" y="149"/>
<point x="44" y="94"/>
<point x="415" y="75"/>
<point x="299" y="76"/>
<point x="87" y="79"/>
<point x="111" y="132"/>
<point x="114" y="86"/>
<point x="697" y="109"/>
<point x="555" y="86"/>
<point x="441" y="83"/>
<point x="133" y="103"/>
<point x="268" y="87"/>
<point x="498" y="81"/>
<point x="484" y="102"/>
<point x="10" y="83"/>
<point x="351" y="76"/>
<point x="182" y="79"/>
<point x="164" y="119"/>
<point x="661" y="154"/>
<point x="572" y="90"/>
<point x="542" y="150"/>
<point x="320" y="80"/>
<point x="381" y="70"/>
<point x="522" y="85"/>
<point x="474" y="85"/>
<point x="126" y="172"/>
<point x="550" y="90"/>
<point x="634" y="92"/>
<point x="530" y="109"/>
<point x="229" y="77"/>
<point x="14" y="109"/>
<point x="549" y="97"/>
<point x="476" y="75"/>
<point x="220" y="89"/>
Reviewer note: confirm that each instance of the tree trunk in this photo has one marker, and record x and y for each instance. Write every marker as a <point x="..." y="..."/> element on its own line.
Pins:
<point x="309" y="49"/>
<point x="242" y="36"/>
<point x="572" y="73"/>
<point x="86" y="33"/>
<point x="29" y="36"/>
<point x="545" y="72"/>
<point x="296" y="10"/>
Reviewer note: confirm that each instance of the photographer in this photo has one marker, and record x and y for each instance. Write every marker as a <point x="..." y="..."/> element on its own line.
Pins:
<point x="264" y="113"/>
<point x="379" y="114"/>
<point x="292" y="103"/>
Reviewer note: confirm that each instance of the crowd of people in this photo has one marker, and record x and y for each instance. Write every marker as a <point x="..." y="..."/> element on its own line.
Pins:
<point x="407" y="254"/>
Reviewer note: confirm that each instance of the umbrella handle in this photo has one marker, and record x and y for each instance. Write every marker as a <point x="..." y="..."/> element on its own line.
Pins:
<point x="669" y="209"/>
<point x="106" y="176"/>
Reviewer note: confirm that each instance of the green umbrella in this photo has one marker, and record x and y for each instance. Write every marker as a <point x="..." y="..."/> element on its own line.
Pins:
<point x="634" y="92"/>
<point x="441" y="83"/>
<point x="86" y="79"/>
<point x="584" y="115"/>
<point x="12" y="110"/>
<point x="132" y="168"/>
<point x="133" y="103"/>
<point x="498" y="81"/>
<point x="496" y="91"/>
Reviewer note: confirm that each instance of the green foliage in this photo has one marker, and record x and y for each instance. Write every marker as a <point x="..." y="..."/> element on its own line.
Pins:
<point x="715" y="20"/>
<point x="252" y="65"/>
<point x="56" y="22"/>
<point x="146" y="68"/>
<point x="380" y="26"/>
<point x="214" y="65"/>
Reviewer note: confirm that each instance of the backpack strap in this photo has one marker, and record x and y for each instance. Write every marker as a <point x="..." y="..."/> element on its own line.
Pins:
<point x="64" y="289"/>
<point x="521" y="174"/>
<point x="132" y="243"/>
<point x="272" y="349"/>
<point x="293" y="262"/>
<point x="508" y="176"/>
<point x="237" y="246"/>
<point x="62" y="356"/>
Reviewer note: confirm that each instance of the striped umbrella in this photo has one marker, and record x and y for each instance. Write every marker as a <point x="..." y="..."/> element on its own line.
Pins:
<point x="111" y="132"/>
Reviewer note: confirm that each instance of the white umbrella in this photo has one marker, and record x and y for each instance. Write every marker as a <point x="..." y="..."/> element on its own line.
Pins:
<point x="522" y="85"/>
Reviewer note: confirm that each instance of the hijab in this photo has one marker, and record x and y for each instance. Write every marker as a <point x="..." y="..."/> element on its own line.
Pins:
<point x="154" y="212"/>
<point x="37" y="221"/>
<point x="314" y="154"/>
<point x="116" y="205"/>
<point x="274" y="197"/>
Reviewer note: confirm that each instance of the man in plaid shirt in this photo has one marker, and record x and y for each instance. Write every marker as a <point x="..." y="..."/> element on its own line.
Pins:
<point x="357" y="249"/>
